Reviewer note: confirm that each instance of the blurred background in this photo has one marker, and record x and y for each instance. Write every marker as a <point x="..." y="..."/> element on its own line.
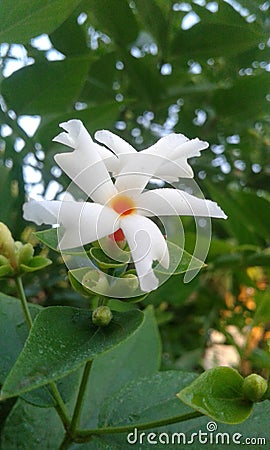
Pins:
<point x="143" y="69"/>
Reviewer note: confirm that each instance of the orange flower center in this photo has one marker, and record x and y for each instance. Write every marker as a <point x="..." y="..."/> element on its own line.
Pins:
<point x="123" y="205"/>
<point x="118" y="236"/>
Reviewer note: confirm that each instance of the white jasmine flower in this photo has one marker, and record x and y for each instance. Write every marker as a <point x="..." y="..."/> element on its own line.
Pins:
<point x="123" y="207"/>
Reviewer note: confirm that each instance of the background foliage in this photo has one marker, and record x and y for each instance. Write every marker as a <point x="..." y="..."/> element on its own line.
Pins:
<point x="143" y="69"/>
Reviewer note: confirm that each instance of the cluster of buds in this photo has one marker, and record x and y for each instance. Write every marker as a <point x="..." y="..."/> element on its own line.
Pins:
<point x="17" y="258"/>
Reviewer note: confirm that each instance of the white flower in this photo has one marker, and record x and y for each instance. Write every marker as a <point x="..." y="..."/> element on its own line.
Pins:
<point x="123" y="205"/>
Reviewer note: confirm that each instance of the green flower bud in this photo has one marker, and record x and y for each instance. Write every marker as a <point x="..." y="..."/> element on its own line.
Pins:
<point x="7" y="244"/>
<point x="4" y="261"/>
<point x="25" y="253"/>
<point x="102" y="316"/>
<point x="95" y="281"/>
<point x="5" y="267"/>
<point x="254" y="387"/>
<point x="132" y="281"/>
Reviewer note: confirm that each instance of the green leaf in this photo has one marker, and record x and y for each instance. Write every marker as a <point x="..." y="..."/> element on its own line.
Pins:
<point x="117" y="21"/>
<point x="180" y="261"/>
<point x="13" y="331"/>
<point x="70" y="38"/>
<point x="36" y="263"/>
<point x="158" y="27"/>
<point x="238" y="224"/>
<point x="50" y="237"/>
<point x="215" y="33"/>
<point x="99" y="83"/>
<point x="28" y="427"/>
<point x="218" y="394"/>
<point x="244" y="98"/>
<point x="147" y="400"/>
<point x="67" y="387"/>
<point x="262" y="313"/>
<point x="47" y="87"/>
<point x="105" y="262"/>
<point x="136" y="357"/>
<point x="26" y="19"/>
<point x="60" y="341"/>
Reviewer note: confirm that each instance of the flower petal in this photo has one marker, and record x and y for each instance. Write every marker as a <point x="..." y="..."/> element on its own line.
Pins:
<point x="136" y="173"/>
<point x="167" y="202"/>
<point x="83" y="222"/>
<point x="110" y="159"/>
<point x="41" y="212"/>
<point x="176" y="165"/>
<point x="114" y="142"/>
<point x="84" y="165"/>
<point x="146" y="244"/>
<point x="167" y="144"/>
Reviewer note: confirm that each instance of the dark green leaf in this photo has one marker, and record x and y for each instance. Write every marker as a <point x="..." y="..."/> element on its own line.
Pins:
<point x="46" y="88"/>
<point x="245" y="97"/>
<point x="99" y="82"/>
<point x="70" y="38"/>
<point x="67" y="387"/>
<point x="157" y="27"/>
<point x="29" y="427"/>
<point x="214" y="34"/>
<point x="61" y="340"/>
<point x="218" y="394"/>
<point x="117" y="21"/>
<point x="146" y="400"/>
<point x="13" y="331"/>
<point x="23" y="20"/>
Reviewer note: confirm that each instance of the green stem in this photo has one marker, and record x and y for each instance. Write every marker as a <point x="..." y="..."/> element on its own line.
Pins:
<point x="66" y="442"/>
<point x="59" y="404"/>
<point x="83" y="435"/>
<point x="24" y="303"/>
<point x="103" y="301"/>
<point x="79" y="402"/>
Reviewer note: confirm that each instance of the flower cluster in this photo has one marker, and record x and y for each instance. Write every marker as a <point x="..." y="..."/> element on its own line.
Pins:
<point x="121" y="206"/>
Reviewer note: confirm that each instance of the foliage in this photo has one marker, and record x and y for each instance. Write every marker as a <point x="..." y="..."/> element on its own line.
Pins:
<point x="141" y="69"/>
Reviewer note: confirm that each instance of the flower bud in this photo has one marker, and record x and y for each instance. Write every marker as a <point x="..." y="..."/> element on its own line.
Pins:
<point x="95" y="281"/>
<point x="132" y="281"/>
<point x="102" y="316"/>
<point x="25" y="253"/>
<point x="254" y="387"/>
<point x="7" y="244"/>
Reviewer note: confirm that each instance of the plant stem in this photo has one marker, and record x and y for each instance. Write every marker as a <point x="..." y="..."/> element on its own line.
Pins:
<point x="83" y="435"/>
<point x="79" y="402"/>
<point x="24" y="303"/>
<point x="59" y="404"/>
<point x="65" y="443"/>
